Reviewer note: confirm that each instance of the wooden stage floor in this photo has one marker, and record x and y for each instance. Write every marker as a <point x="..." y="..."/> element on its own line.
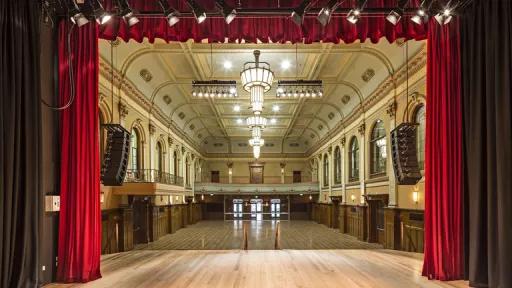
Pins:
<point x="263" y="268"/>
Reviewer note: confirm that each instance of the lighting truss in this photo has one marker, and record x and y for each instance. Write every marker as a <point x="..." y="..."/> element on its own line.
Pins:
<point x="299" y="88"/>
<point x="214" y="88"/>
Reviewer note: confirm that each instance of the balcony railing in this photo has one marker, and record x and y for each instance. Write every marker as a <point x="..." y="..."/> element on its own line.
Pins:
<point x="291" y="188"/>
<point x="152" y="176"/>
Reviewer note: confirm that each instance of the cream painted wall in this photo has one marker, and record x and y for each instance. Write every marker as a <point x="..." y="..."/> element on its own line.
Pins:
<point x="367" y="183"/>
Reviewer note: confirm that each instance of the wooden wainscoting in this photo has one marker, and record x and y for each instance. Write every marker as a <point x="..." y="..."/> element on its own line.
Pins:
<point x="392" y="228"/>
<point x="321" y="213"/>
<point x="175" y="216"/>
<point x="195" y="213"/>
<point x="342" y="218"/>
<point x="412" y="230"/>
<point x="356" y="222"/>
<point x="160" y="222"/>
<point x="117" y="230"/>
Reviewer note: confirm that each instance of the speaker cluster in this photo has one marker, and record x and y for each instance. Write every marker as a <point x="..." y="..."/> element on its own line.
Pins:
<point x="404" y="154"/>
<point x="117" y="150"/>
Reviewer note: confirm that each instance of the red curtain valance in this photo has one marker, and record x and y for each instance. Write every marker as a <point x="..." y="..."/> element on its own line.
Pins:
<point x="264" y="29"/>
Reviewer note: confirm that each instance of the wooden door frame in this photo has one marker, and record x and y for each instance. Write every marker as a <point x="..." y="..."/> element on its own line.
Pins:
<point x="257" y="165"/>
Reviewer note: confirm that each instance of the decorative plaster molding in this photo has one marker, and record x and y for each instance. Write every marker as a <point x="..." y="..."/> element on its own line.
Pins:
<point x="123" y="110"/>
<point x="361" y="128"/>
<point x="391" y="109"/>
<point x="151" y="128"/>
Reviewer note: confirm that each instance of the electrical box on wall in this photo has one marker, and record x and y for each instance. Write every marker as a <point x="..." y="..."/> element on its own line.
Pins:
<point x="52" y="203"/>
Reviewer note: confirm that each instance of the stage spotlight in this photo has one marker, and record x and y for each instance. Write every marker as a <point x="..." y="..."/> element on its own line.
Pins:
<point x="298" y="13"/>
<point x="420" y="17"/>
<point x="76" y="16"/>
<point x="229" y="13"/>
<point x="394" y="17"/>
<point x="198" y="11"/>
<point x="172" y="15"/>
<point x="100" y="14"/>
<point x="127" y="13"/>
<point x="444" y="17"/>
<point x="324" y="16"/>
<point x="396" y="14"/>
<point x="354" y="14"/>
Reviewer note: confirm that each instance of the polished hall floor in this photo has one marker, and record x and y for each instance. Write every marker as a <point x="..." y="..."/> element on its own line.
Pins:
<point x="263" y="269"/>
<point x="223" y="235"/>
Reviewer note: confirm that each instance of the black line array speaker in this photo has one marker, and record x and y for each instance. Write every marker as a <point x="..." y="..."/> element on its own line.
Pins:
<point x="403" y="150"/>
<point x="117" y="149"/>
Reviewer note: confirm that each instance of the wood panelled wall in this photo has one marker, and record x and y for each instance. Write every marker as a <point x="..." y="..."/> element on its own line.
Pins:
<point x="117" y="224"/>
<point x="403" y="229"/>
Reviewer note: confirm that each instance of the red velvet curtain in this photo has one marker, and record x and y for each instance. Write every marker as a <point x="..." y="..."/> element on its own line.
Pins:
<point x="265" y="29"/>
<point x="443" y="155"/>
<point x="80" y="216"/>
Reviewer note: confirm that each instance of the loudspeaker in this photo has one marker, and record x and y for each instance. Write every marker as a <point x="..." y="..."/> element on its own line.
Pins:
<point x="403" y="150"/>
<point x="117" y="150"/>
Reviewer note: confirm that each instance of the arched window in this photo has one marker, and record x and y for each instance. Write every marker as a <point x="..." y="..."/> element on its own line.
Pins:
<point x="135" y="150"/>
<point x="159" y="157"/>
<point x="378" y="152"/>
<point x="419" y="118"/>
<point x="337" y="165"/>
<point x="353" y="158"/>
<point x="326" y="170"/>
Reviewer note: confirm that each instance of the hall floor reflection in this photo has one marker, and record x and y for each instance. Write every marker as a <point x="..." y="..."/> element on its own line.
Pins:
<point x="261" y="235"/>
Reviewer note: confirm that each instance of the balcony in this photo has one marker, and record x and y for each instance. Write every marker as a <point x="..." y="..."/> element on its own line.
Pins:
<point x="150" y="182"/>
<point x="261" y="189"/>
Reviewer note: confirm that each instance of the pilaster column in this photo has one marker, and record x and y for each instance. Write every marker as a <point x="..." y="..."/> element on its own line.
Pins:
<point x="330" y="173"/>
<point x="230" y="172"/>
<point x="343" y="186"/>
<point x="362" y="160"/>
<point x="152" y="130"/>
<point x="282" y="165"/>
<point x="393" y="189"/>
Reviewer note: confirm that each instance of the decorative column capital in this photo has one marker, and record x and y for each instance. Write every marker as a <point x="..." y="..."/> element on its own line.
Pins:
<point x="123" y="110"/>
<point x="230" y="164"/>
<point x="151" y="128"/>
<point x="362" y="128"/>
<point x="282" y="164"/>
<point x="343" y="140"/>
<point x="169" y="141"/>
<point x="329" y="150"/>
<point x="391" y="109"/>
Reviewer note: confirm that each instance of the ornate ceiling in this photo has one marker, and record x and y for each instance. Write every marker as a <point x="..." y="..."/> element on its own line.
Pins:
<point x="163" y="73"/>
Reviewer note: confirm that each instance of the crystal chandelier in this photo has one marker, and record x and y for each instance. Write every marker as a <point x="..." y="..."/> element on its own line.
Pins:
<point x="256" y="79"/>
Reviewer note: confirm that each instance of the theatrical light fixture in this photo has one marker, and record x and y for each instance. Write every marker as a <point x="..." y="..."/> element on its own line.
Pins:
<point x="324" y="16"/>
<point x="354" y="14"/>
<point x="214" y="88"/>
<point x="197" y="10"/>
<point x="76" y="16"/>
<point x="172" y="15"/>
<point x="127" y="13"/>
<point x="100" y="14"/>
<point x="421" y="15"/>
<point x="444" y="17"/>
<point x="396" y="14"/>
<point x="298" y="13"/>
<point x="228" y="12"/>
<point x="299" y="88"/>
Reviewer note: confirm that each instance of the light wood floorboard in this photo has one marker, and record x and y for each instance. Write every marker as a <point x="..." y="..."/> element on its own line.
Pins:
<point x="263" y="268"/>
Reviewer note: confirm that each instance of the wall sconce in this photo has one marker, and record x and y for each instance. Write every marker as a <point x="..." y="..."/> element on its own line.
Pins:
<point x="362" y="199"/>
<point x="301" y="194"/>
<point x="353" y="198"/>
<point x="230" y="171"/>
<point x="102" y="197"/>
<point x="310" y="197"/>
<point x="282" y="170"/>
<point x="202" y="196"/>
<point x="415" y="196"/>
